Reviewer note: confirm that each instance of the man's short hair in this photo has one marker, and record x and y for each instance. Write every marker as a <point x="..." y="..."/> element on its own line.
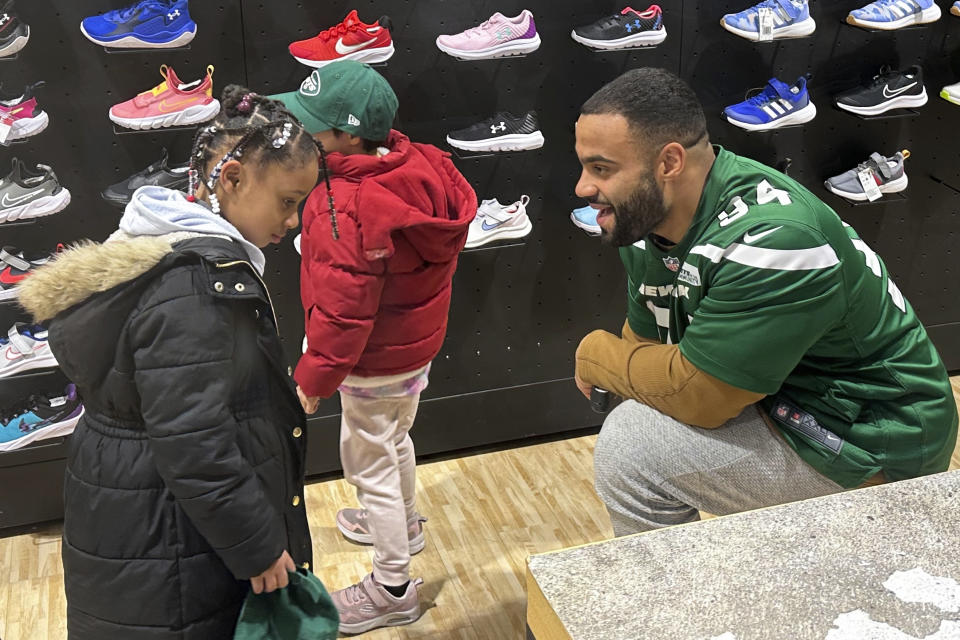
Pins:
<point x="660" y="107"/>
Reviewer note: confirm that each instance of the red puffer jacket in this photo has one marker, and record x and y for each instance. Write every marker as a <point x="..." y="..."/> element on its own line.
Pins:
<point x="376" y="300"/>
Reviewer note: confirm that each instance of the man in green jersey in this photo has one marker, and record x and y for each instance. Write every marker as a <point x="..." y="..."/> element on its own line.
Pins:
<point x="767" y="355"/>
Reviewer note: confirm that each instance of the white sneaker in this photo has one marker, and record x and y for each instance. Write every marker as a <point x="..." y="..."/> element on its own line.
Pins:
<point x="951" y="93"/>
<point x="25" y="348"/>
<point x="495" y="221"/>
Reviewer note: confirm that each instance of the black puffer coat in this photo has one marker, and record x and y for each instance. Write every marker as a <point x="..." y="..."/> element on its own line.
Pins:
<point x="185" y="475"/>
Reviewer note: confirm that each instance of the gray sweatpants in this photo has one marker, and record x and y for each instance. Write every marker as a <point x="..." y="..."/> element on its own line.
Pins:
<point x="652" y="471"/>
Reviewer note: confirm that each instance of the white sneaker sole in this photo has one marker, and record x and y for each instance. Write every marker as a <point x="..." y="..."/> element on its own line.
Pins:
<point x="512" y="142"/>
<point x="800" y="29"/>
<point x="501" y="233"/>
<point x="900" y="102"/>
<point x="44" y="361"/>
<point x="924" y="17"/>
<point x="45" y="206"/>
<point x="894" y="186"/>
<point x="392" y="619"/>
<point x="366" y="56"/>
<point x="16" y="46"/>
<point x="53" y="431"/>
<point x="512" y="48"/>
<point x="417" y="544"/>
<point x="800" y="116"/>
<point x="593" y="230"/>
<point x="642" y="39"/>
<point x="190" y="115"/>
<point x="950" y="97"/>
<point x="26" y="127"/>
<point x="133" y="42"/>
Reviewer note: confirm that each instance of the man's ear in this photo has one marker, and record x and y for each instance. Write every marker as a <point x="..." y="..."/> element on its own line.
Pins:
<point x="230" y="174"/>
<point x="672" y="160"/>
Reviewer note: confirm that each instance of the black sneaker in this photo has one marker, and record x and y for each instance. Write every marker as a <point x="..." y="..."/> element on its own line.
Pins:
<point x="502" y="132"/>
<point x="629" y="28"/>
<point x="889" y="90"/>
<point x="14" y="34"/>
<point x="158" y="174"/>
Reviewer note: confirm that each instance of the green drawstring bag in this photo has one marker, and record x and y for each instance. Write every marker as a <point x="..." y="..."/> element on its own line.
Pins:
<point x="301" y="611"/>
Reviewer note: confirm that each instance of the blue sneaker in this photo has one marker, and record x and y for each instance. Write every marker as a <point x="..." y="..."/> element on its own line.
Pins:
<point x="894" y="14"/>
<point x="955" y="9"/>
<point x="791" y="19"/>
<point x="778" y="105"/>
<point x="586" y="219"/>
<point x="148" y="24"/>
<point x="38" y="418"/>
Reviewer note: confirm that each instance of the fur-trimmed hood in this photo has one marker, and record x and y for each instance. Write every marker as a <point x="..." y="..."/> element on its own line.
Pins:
<point x="89" y="268"/>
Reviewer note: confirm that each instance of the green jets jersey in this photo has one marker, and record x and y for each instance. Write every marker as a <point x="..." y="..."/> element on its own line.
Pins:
<point x="771" y="292"/>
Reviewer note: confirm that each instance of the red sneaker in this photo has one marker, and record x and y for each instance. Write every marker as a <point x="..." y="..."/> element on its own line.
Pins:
<point x="349" y="40"/>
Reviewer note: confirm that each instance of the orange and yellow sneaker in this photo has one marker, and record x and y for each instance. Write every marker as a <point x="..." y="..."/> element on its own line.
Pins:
<point x="169" y="104"/>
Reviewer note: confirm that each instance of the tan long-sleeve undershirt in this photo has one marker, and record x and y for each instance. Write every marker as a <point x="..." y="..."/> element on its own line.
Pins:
<point x="659" y="376"/>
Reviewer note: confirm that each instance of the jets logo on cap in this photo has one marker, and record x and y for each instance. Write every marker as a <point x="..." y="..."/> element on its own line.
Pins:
<point x="352" y="120"/>
<point x="311" y="86"/>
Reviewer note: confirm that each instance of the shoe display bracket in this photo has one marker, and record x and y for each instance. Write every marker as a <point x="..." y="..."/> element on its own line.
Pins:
<point x="779" y="40"/>
<point x="501" y="244"/>
<point x="907" y="112"/>
<point x="122" y="131"/>
<point x="461" y="154"/>
<point x="36" y="373"/>
<point x="122" y="50"/>
<point x="642" y="47"/>
<point x="10" y="58"/>
<point x="890" y="198"/>
<point x="19" y="223"/>
<point x="912" y="27"/>
<point x="945" y="183"/>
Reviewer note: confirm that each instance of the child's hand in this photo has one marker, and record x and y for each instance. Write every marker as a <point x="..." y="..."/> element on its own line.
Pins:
<point x="275" y="577"/>
<point x="310" y="404"/>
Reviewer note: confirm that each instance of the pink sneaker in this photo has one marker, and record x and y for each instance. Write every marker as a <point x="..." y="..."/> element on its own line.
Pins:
<point x="25" y="117"/>
<point x="497" y="37"/>
<point x="367" y="605"/>
<point x="169" y="104"/>
<point x="352" y="523"/>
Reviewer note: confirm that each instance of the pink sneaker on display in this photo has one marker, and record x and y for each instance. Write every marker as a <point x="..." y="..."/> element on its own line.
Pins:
<point x="352" y="523"/>
<point x="169" y="104"/>
<point x="497" y="37"/>
<point x="367" y="605"/>
<point x="24" y="116"/>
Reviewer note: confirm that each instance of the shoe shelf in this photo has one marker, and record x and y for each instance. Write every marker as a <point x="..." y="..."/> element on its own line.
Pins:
<point x="35" y="373"/>
<point x="460" y="154"/>
<point x="494" y="59"/>
<point x="892" y="198"/>
<point x="779" y="40"/>
<point x="121" y="51"/>
<point x="123" y="131"/>
<point x="18" y="223"/>
<point x="502" y="244"/>
<point x="12" y="58"/>
<point x="893" y="114"/>
<point x="953" y="188"/>
<point x="912" y="27"/>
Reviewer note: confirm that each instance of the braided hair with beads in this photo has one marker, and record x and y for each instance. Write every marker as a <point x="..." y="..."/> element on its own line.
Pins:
<point x="257" y="128"/>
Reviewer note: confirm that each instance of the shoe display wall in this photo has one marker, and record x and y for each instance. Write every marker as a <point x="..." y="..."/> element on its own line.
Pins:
<point x="480" y="80"/>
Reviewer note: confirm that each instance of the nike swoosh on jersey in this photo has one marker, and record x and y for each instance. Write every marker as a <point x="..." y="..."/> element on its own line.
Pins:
<point x="344" y="49"/>
<point x="893" y="94"/>
<point x="749" y="239"/>
<point x="7" y="201"/>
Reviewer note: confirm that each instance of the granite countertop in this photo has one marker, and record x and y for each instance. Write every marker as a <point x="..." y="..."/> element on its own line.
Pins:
<point x="813" y="569"/>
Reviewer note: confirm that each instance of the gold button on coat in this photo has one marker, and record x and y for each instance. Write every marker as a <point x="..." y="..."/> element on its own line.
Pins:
<point x="296" y="500"/>
<point x="297" y="432"/>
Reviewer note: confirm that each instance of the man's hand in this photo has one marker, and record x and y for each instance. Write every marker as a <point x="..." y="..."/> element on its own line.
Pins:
<point x="275" y="577"/>
<point x="310" y="403"/>
<point x="585" y="388"/>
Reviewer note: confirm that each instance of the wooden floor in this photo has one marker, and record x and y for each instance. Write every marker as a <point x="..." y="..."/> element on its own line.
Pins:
<point x="487" y="514"/>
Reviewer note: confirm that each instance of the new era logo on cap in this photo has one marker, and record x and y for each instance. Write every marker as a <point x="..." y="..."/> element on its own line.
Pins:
<point x="311" y="85"/>
<point x="352" y="120"/>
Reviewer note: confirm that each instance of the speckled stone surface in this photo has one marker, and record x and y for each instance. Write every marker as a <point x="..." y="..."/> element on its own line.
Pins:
<point x="786" y="572"/>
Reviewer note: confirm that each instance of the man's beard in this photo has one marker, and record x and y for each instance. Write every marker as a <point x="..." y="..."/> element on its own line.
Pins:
<point x="634" y="219"/>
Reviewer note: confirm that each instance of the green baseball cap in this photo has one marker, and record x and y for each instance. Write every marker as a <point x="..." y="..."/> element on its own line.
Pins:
<point x="344" y="95"/>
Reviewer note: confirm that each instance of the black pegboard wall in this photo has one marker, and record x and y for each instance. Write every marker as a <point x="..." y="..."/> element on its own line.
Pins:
<point x="519" y="311"/>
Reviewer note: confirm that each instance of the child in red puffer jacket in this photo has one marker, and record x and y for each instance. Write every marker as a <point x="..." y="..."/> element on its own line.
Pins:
<point x="376" y="274"/>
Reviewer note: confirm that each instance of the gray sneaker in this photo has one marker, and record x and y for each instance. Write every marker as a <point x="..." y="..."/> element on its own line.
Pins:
<point x="367" y="605"/>
<point x="31" y="193"/>
<point x="888" y="173"/>
<point x="353" y="525"/>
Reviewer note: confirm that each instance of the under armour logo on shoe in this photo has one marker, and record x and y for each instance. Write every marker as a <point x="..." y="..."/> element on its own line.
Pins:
<point x="504" y="33"/>
<point x="630" y="26"/>
<point x="173" y="14"/>
<point x="352" y="120"/>
<point x="498" y="127"/>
